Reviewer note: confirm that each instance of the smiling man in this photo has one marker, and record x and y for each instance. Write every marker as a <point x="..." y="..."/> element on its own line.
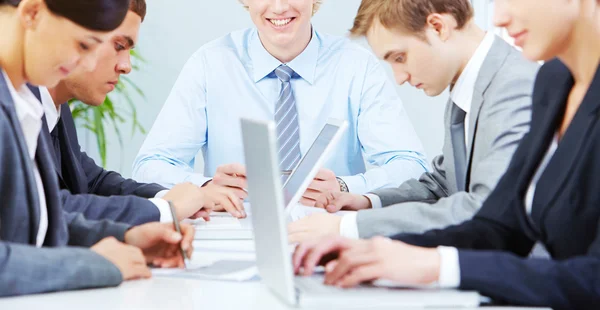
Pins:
<point x="284" y="71"/>
<point x="129" y="201"/>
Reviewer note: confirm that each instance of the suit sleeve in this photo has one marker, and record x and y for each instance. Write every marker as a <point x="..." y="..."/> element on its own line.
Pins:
<point x="126" y="209"/>
<point x="25" y="269"/>
<point x="503" y="121"/>
<point x="102" y="182"/>
<point x="84" y="232"/>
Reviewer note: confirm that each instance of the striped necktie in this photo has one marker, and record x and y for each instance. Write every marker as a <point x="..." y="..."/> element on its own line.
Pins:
<point x="286" y="118"/>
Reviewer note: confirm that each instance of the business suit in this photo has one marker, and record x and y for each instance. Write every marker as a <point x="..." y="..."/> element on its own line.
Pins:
<point x="25" y="269"/>
<point x="79" y="176"/>
<point x="456" y="188"/>
<point x="564" y="216"/>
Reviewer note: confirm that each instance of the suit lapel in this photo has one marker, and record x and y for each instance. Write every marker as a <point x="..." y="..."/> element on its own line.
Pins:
<point x="32" y="195"/>
<point x="570" y="146"/>
<point x="492" y="63"/>
<point x="72" y="165"/>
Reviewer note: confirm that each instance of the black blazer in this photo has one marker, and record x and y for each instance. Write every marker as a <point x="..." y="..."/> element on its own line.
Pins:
<point x="83" y="181"/>
<point x="25" y="269"/>
<point x="494" y="245"/>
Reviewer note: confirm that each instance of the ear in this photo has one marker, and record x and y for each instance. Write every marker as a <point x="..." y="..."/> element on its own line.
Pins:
<point x="440" y="25"/>
<point x="29" y="13"/>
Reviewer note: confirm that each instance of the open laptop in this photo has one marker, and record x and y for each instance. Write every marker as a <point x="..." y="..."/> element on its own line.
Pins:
<point x="273" y="257"/>
<point x="223" y="226"/>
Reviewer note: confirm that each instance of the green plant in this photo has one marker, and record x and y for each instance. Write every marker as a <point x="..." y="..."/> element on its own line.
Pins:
<point x="96" y="119"/>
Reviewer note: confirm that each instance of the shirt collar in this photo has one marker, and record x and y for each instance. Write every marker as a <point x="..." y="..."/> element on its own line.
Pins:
<point x="462" y="92"/>
<point x="52" y="115"/>
<point x="303" y="65"/>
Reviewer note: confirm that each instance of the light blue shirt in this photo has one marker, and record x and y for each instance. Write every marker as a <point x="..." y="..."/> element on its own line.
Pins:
<point x="232" y="77"/>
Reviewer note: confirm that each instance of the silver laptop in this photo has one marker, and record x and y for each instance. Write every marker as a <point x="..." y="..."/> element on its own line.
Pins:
<point x="273" y="257"/>
<point x="223" y="226"/>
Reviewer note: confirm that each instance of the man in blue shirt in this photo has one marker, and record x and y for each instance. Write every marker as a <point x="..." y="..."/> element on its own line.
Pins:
<point x="285" y="71"/>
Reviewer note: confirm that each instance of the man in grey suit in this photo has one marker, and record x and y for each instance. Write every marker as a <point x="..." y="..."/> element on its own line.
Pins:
<point x="488" y="113"/>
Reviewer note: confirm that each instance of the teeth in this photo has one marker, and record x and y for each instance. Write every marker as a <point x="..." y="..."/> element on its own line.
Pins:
<point x="280" y="22"/>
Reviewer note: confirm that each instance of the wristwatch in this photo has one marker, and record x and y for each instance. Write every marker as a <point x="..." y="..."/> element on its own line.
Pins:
<point x="343" y="186"/>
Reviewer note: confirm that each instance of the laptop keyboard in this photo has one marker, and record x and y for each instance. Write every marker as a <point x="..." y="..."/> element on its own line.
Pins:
<point x="219" y="222"/>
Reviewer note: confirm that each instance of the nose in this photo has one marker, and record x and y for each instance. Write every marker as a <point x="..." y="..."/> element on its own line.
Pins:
<point x="280" y="6"/>
<point x="401" y="76"/>
<point x="501" y="16"/>
<point x="124" y="63"/>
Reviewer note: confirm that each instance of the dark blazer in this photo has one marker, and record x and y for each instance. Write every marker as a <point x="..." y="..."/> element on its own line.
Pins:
<point x="25" y="269"/>
<point x="494" y="245"/>
<point x="80" y="177"/>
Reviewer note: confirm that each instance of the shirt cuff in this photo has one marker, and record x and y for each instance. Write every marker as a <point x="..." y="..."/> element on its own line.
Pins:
<point x="198" y="179"/>
<point x="163" y="209"/>
<point x="161" y="194"/>
<point x="356" y="184"/>
<point x="449" y="267"/>
<point x="348" y="226"/>
<point x="375" y="201"/>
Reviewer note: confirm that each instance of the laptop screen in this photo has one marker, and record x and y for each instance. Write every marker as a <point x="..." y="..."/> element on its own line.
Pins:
<point x="295" y="180"/>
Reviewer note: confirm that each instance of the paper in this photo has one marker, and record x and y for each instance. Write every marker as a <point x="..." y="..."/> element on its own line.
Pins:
<point x="227" y="270"/>
<point x="299" y="211"/>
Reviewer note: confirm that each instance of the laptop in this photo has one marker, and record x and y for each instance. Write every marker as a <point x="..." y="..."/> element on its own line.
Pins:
<point x="273" y="257"/>
<point x="223" y="226"/>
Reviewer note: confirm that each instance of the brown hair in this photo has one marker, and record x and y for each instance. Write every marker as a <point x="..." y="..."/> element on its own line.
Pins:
<point x="408" y="15"/>
<point x="138" y="7"/>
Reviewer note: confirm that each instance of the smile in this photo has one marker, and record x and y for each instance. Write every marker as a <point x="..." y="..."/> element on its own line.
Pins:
<point x="281" y="22"/>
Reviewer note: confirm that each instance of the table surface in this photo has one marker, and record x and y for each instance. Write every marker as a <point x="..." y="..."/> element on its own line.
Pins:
<point x="170" y="293"/>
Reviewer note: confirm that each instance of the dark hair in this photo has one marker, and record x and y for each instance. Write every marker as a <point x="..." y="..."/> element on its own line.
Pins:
<point x="98" y="15"/>
<point x="138" y="7"/>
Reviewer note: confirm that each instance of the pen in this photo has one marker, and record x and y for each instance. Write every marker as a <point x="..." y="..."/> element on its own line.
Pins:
<point x="178" y="229"/>
<point x="286" y="172"/>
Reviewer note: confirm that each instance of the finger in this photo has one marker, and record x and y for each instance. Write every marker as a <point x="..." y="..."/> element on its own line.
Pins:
<point x="312" y="194"/>
<point x="240" y="193"/>
<point x="188" y="232"/>
<point x="139" y="271"/>
<point x="221" y="179"/>
<point x="299" y="254"/>
<point x="346" y="263"/>
<point x="230" y="169"/>
<point x="135" y="255"/>
<point x="228" y="205"/>
<point x="239" y="206"/>
<point x="325" y="174"/>
<point x="338" y="202"/>
<point x="364" y="273"/>
<point x="323" y="252"/>
<point x="307" y="202"/>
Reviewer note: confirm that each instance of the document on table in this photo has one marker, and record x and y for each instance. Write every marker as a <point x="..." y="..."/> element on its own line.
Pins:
<point x="226" y="270"/>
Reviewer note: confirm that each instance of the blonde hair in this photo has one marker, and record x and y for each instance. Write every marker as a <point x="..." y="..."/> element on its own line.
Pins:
<point x="315" y="7"/>
<point x="408" y="15"/>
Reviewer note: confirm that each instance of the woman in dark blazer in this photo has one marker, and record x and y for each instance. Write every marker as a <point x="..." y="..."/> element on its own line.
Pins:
<point x="549" y="195"/>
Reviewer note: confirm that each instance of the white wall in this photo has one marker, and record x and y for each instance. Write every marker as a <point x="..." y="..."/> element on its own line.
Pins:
<point x="173" y="30"/>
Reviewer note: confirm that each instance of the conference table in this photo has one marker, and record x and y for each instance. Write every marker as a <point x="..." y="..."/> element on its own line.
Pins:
<point x="173" y="293"/>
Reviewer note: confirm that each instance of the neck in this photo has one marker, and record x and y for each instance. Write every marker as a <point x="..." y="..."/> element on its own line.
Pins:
<point x="11" y="47"/>
<point x="582" y="53"/>
<point x="60" y="94"/>
<point x="468" y="40"/>
<point x="286" y="54"/>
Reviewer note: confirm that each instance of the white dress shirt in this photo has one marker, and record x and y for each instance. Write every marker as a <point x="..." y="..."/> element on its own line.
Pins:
<point x="30" y="112"/>
<point x="52" y="118"/>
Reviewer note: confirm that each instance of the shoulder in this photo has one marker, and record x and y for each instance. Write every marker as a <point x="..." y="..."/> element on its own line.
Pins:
<point x="344" y="49"/>
<point x="232" y="44"/>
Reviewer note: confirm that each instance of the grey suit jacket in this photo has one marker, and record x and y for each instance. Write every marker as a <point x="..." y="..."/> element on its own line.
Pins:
<point x="62" y="263"/>
<point x="500" y="116"/>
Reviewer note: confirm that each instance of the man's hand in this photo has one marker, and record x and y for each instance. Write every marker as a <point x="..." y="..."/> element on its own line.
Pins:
<point x="314" y="226"/>
<point x="325" y="182"/>
<point x="127" y="258"/>
<point x="334" y="202"/>
<point x="354" y="262"/>
<point x="232" y="176"/>
<point x="188" y="201"/>
<point x="223" y="198"/>
<point x="161" y="244"/>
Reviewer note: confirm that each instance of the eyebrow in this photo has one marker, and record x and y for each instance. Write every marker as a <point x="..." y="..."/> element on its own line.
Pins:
<point x="95" y="39"/>
<point x="130" y="42"/>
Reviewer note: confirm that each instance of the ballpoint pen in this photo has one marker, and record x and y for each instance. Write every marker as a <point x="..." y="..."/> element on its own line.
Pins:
<point x="178" y="229"/>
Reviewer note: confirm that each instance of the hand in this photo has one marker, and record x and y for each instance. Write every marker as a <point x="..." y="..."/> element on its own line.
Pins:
<point x="223" y="198"/>
<point x="233" y="176"/>
<point x="325" y="182"/>
<point x="161" y="244"/>
<point x="188" y="201"/>
<point x="334" y="202"/>
<point x="128" y="259"/>
<point x="377" y="258"/>
<point x="314" y="226"/>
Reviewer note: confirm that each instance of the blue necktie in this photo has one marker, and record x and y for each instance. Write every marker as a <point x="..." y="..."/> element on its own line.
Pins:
<point x="286" y="118"/>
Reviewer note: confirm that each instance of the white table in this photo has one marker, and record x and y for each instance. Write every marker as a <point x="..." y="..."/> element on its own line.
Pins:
<point x="169" y="293"/>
